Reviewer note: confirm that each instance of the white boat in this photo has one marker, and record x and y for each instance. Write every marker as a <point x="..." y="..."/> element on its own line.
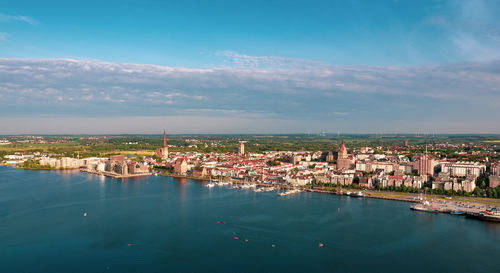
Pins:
<point x="355" y="194"/>
<point x="288" y="192"/>
<point x="210" y="185"/>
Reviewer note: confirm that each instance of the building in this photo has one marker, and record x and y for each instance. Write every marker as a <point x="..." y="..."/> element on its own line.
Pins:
<point x="495" y="168"/>
<point x="164" y="147"/>
<point x="200" y="171"/>
<point x="343" y="160"/>
<point x="241" y="148"/>
<point x="463" y="169"/>
<point x="180" y="166"/>
<point x="62" y="163"/>
<point x="425" y="165"/>
<point x="342" y="153"/>
<point x="494" y="181"/>
<point x="330" y="157"/>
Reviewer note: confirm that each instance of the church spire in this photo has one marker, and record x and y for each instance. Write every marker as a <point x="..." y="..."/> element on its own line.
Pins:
<point x="164" y="139"/>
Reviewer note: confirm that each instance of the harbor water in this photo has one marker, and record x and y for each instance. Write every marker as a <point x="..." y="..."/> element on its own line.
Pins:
<point x="164" y="224"/>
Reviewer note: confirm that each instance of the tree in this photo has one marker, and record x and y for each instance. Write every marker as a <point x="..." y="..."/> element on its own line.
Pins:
<point x="355" y="180"/>
<point x="157" y="158"/>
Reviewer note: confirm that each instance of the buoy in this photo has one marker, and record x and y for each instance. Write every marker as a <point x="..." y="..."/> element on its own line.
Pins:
<point x="273" y="245"/>
<point x="218" y="222"/>
<point x="321" y="245"/>
<point x="246" y="240"/>
<point x="236" y="238"/>
<point x="84" y="214"/>
<point x="130" y="244"/>
<point x="234" y="233"/>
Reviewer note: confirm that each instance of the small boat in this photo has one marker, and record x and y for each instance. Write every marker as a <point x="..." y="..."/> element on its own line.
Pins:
<point x="457" y="212"/>
<point x="210" y="185"/>
<point x="355" y="194"/>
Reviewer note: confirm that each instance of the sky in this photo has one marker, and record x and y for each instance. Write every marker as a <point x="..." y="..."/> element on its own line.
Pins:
<point x="111" y="67"/>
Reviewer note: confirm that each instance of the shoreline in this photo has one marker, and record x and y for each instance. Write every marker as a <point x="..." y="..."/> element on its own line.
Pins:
<point x="115" y="175"/>
<point x="437" y="203"/>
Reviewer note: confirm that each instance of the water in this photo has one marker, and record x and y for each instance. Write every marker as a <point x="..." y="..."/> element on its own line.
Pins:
<point x="161" y="224"/>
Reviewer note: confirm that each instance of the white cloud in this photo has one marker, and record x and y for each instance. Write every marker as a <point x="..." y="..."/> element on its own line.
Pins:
<point x="19" y="18"/>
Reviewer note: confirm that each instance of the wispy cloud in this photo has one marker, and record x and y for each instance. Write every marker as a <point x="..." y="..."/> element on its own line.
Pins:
<point x="340" y="114"/>
<point x="18" y="18"/>
<point x="472" y="27"/>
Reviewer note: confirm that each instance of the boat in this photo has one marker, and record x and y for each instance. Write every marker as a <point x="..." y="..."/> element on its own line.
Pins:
<point x="210" y="185"/>
<point x="419" y="207"/>
<point x="457" y="212"/>
<point x="355" y="194"/>
<point x="288" y="192"/>
<point x="484" y="216"/>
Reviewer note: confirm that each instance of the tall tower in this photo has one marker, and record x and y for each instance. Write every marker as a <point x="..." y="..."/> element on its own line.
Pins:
<point x="342" y="154"/>
<point x="164" y="148"/>
<point x="241" y="148"/>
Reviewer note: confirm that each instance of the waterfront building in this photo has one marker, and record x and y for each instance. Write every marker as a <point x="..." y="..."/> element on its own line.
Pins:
<point x="180" y="166"/>
<point x="62" y="163"/>
<point x="200" y="171"/>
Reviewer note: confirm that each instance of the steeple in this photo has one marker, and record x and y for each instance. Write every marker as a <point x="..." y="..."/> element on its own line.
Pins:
<point x="342" y="146"/>
<point x="164" y="148"/>
<point x="342" y="153"/>
<point x="164" y="139"/>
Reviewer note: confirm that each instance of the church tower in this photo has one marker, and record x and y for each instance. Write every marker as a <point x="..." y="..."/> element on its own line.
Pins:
<point x="342" y="154"/>
<point x="164" y="148"/>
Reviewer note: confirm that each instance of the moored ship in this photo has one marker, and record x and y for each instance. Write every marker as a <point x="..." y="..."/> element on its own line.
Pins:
<point x="485" y="216"/>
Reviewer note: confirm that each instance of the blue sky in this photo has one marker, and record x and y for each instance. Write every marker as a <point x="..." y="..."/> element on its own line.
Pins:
<point x="249" y="66"/>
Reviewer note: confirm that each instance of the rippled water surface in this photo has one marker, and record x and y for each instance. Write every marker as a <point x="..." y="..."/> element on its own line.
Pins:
<point x="161" y="224"/>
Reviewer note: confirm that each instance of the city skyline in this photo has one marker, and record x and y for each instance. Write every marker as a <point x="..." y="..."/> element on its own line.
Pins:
<point x="270" y="68"/>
